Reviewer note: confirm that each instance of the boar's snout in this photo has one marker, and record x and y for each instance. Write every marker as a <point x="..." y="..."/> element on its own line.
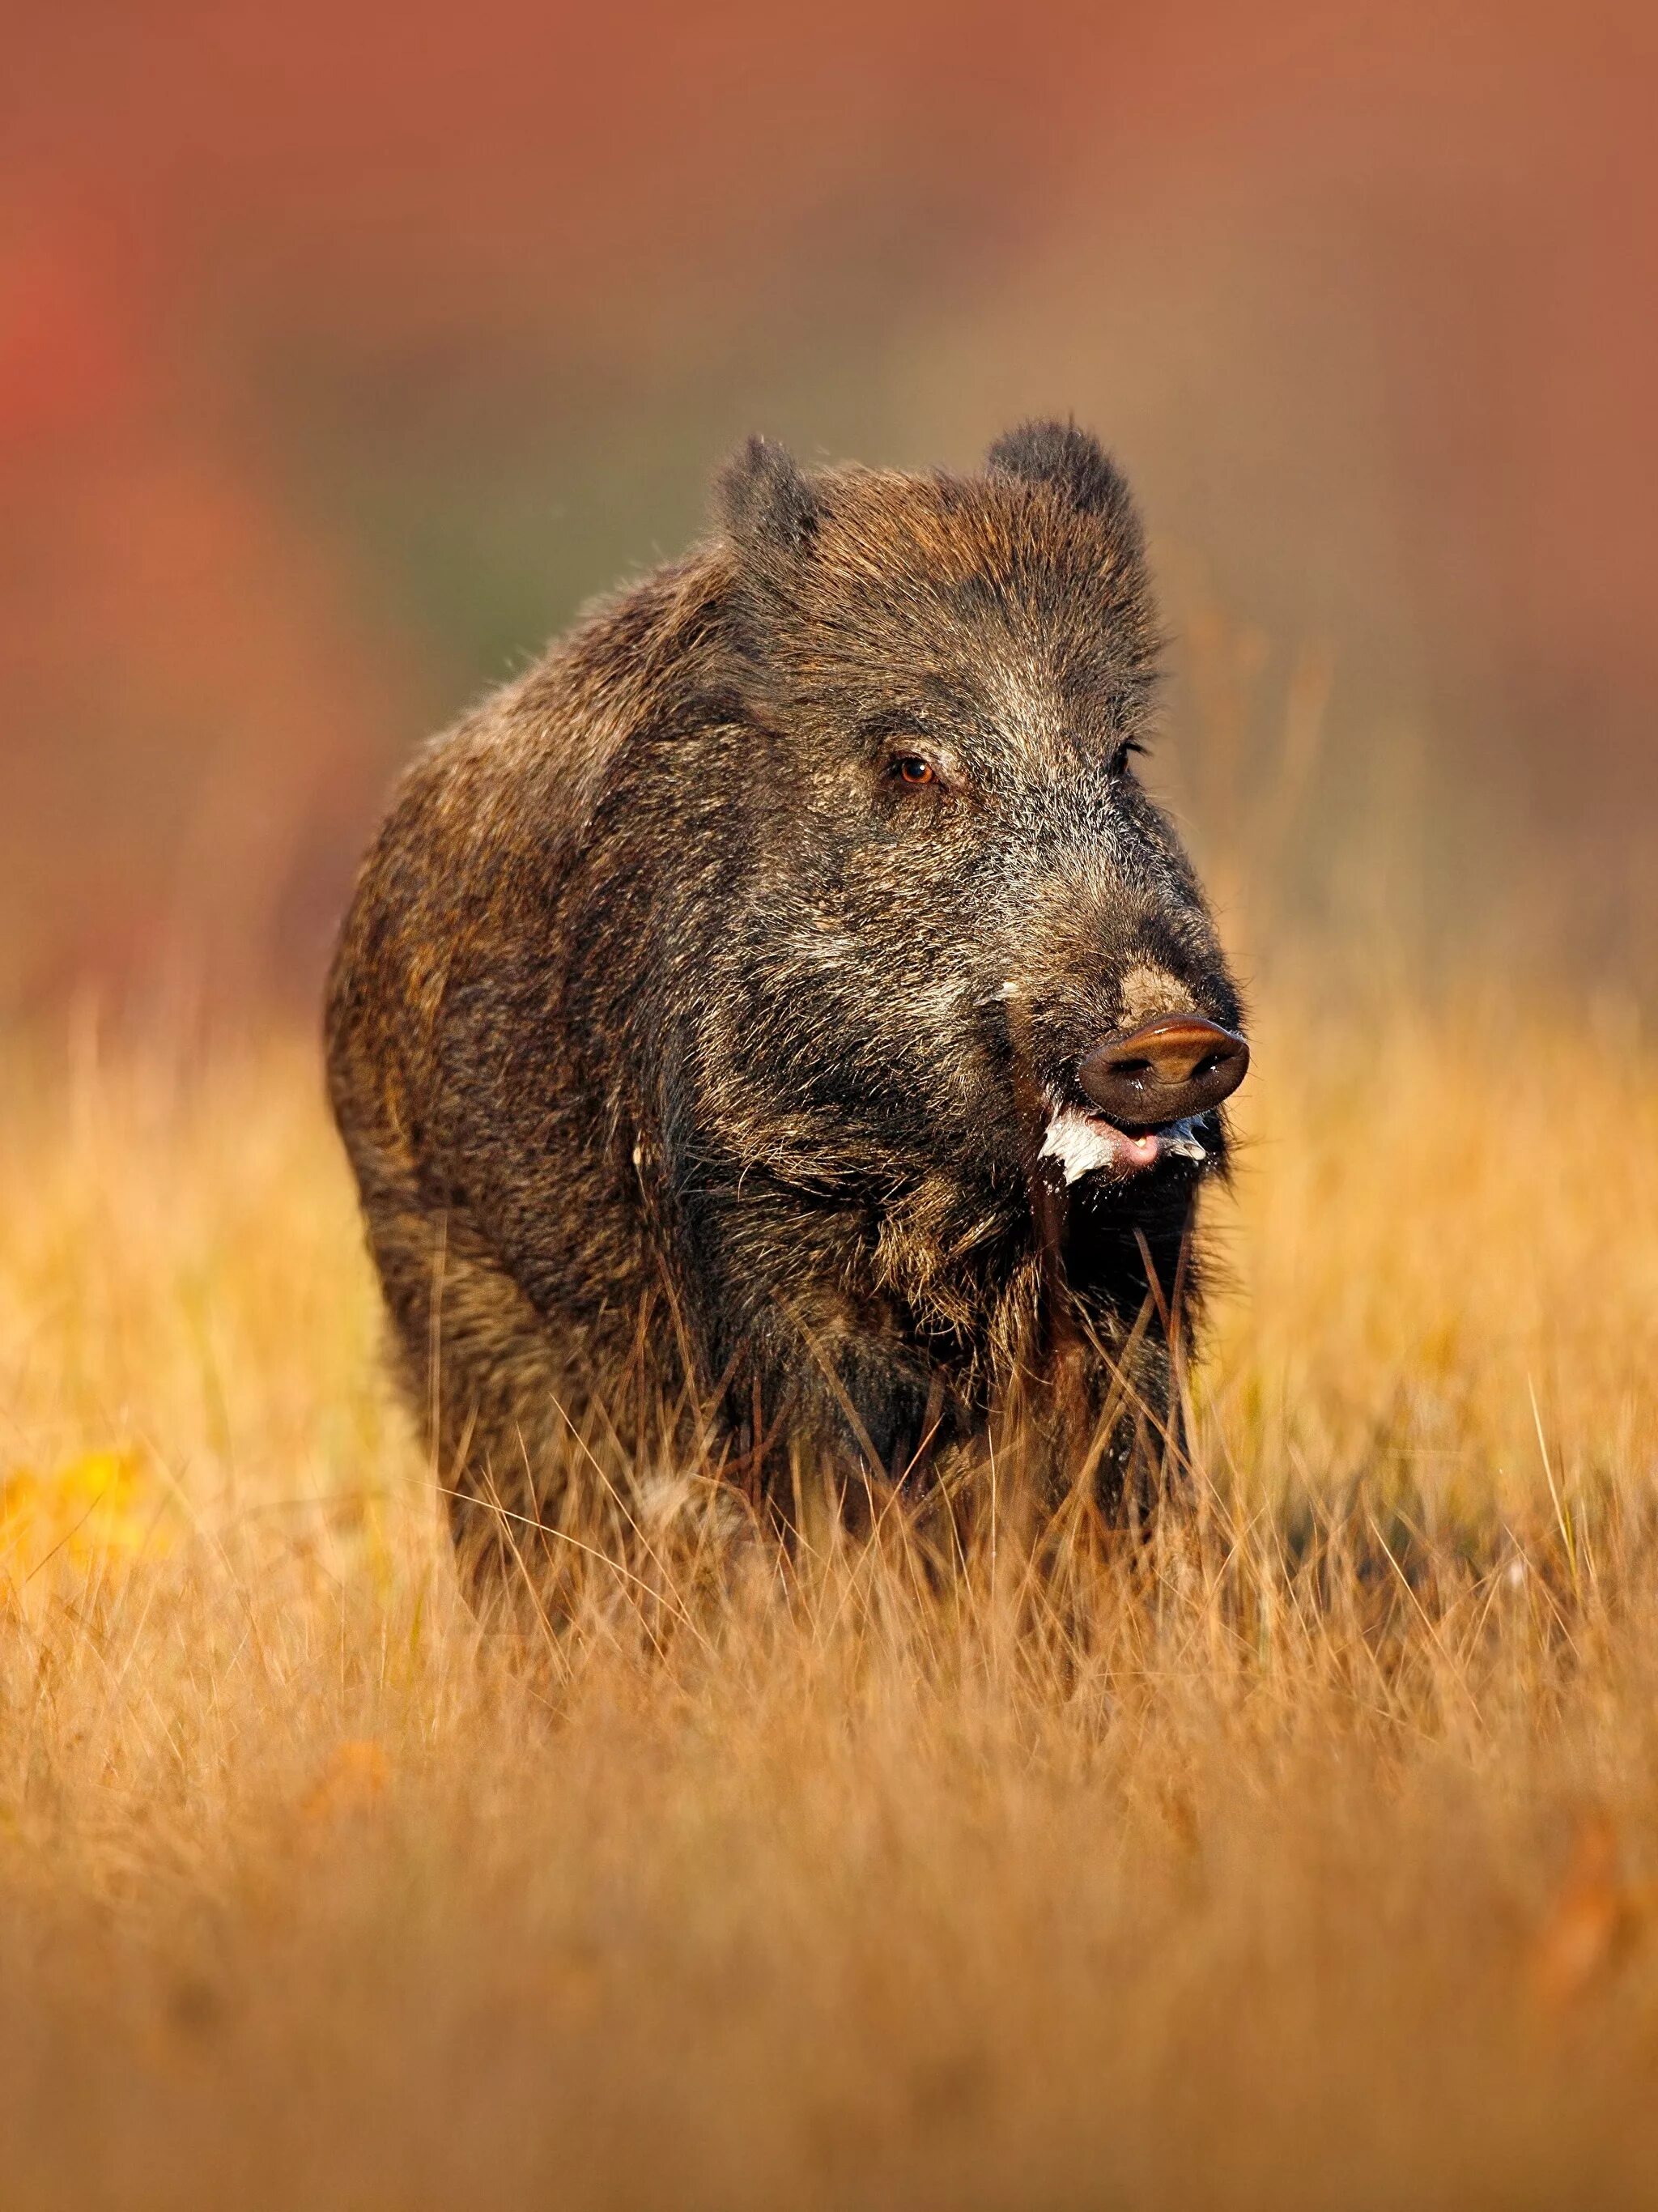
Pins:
<point x="1167" y="1072"/>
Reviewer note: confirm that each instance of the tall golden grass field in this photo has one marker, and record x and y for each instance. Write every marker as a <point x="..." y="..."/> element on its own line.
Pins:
<point x="1300" y="1852"/>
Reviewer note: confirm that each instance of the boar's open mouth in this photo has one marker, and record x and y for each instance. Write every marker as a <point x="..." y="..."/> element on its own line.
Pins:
<point x="1152" y="1099"/>
<point x="1084" y="1143"/>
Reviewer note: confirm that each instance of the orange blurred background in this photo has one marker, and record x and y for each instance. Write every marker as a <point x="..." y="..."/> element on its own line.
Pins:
<point x="345" y="350"/>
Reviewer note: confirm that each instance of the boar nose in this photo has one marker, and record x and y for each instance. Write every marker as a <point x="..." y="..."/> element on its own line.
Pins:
<point x="1166" y="1071"/>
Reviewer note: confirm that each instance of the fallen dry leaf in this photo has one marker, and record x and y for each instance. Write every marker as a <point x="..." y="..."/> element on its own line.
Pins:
<point x="1589" y="1921"/>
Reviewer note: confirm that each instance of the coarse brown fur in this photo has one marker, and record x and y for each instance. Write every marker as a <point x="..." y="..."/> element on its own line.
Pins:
<point x="694" y="1057"/>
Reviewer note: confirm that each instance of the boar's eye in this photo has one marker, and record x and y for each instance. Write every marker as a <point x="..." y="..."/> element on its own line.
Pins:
<point x="1125" y="753"/>
<point x="913" y="769"/>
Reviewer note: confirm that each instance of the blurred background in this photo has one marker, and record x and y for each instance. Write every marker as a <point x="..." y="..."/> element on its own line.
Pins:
<point x="345" y="350"/>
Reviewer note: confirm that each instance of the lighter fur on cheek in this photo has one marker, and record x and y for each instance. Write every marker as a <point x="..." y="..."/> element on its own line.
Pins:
<point x="1080" y="1144"/>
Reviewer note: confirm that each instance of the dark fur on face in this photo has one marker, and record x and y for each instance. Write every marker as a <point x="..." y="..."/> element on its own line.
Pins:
<point x="709" y="1004"/>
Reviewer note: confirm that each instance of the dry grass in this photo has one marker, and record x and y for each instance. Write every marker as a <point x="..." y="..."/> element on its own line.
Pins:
<point x="1301" y="1858"/>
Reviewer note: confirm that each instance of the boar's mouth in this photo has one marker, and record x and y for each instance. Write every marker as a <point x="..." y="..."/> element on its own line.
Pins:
<point x="1084" y="1143"/>
<point x="1150" y="1094"/>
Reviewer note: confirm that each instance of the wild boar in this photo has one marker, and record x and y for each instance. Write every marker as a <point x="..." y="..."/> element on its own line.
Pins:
<point x="786" y="1002"/>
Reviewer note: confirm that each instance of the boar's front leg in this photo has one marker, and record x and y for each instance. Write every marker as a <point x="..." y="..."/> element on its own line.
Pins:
<point x="1114" y="1422"/>
<point x="832" y="1412"/>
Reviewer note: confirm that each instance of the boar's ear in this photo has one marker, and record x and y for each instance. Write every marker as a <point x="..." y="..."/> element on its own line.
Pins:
<point x="764" y="501"/>
<point x="1070" y="460"/>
